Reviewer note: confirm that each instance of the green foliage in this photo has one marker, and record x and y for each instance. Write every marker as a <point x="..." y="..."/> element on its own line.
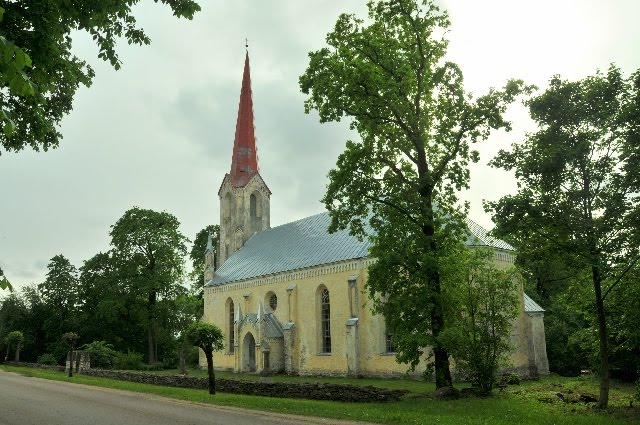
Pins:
<point x="102" y="354"/>
<point x="417" y="125"/>
<point x="14" y="340"/>
<point x="578" y="182"/>
<point x="47" y="359"/>
<point x="205" y="335"/>
<point x="149" y="251"/>
<point x="518" y="405"/>
<point x="486" y="302"/>
<point x="129" y="361"/>
<point x="637" y="395"/>
<point x="208" y="337"/>
<point x="38" y="71"/>
<point x="4" y="283"/>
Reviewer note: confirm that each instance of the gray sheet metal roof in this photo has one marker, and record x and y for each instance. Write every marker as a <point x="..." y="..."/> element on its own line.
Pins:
<point x="307" y="243"/>
<point x="479" y="237"/>
<point x="530" y="306"/>
<point x="296" y="245"/>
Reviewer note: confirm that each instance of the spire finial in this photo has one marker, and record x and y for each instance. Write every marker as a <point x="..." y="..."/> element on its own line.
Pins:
<point x="246" y="43"/>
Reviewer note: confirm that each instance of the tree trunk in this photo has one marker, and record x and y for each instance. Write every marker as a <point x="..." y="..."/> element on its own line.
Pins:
<point x="440" y="354"/>
<point x="183" y="364"/>
<point x="151" y="304"/>
<point x="602" y="334"/>
<point x="17" y="358"/>
<point x="212" y="377"/>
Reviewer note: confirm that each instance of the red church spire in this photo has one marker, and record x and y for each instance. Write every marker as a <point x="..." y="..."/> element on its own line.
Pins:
<point x="244" y="163"/>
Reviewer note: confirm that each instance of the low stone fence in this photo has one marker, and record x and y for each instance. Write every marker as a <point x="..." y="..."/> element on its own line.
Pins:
<point x="313" y="391"/>
<point x="37" y="366"/>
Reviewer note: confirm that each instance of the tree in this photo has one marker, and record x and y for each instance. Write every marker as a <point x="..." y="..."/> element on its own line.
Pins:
<point x="208" y="337"/>
<point x="59" y="294"/>
<point x="4" y="283"/>
<point x="150" y="250"/>
<point x="486" y="302"/>
<point x="15" y="340"/>
<point x="416" y="124"/>
<point x="111" y="308"/>
<point x="578" y="183"/>
<point x="188" y="310"/>
<point x="70" y="338"/>
<point x="38" y="72"/>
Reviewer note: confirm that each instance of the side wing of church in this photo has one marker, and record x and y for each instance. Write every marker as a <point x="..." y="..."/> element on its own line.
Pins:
<point x="292" y="298"/>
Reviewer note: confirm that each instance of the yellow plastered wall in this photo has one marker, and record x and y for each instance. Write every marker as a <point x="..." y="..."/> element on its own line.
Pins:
<point x="298" y="295"/>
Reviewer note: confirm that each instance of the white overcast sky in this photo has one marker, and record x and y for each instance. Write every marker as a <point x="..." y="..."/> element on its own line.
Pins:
<point x="158" y="133"/>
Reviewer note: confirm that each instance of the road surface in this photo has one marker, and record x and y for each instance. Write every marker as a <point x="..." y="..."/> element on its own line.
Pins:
<point x="25" y="401"/>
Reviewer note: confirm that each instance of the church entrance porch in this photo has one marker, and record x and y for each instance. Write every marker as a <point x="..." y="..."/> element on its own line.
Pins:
<point x="248" y="353"/>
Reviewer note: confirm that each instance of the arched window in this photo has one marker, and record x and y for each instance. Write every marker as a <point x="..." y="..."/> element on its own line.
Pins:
<point x="325" y="320"/>
<point x="231" y="327"/>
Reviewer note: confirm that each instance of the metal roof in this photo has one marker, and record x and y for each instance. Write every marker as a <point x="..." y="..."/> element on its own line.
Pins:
<point x="530" y="306"/>
<point x="479" y="237"/>
<point x="296" y="245"/>
<point x="307" y="243"/>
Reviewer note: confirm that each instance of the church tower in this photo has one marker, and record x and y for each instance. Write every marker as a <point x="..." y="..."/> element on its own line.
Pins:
<point x="244" y="197"/>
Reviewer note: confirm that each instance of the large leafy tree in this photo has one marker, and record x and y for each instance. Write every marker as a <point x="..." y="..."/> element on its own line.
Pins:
<point x="417" y="124"/>
<point x="59" y="296"/>
<point x="150" y="251"/>
<point x="38" y="72"/>
<point x="578" y="183"/>
<point x="109" y="310"/>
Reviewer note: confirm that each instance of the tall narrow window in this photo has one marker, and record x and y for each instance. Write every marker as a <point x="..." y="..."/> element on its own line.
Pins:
<point x="390" y="346"/>
<point x="325" y="317"/>
<point x="231" y="328"/>
<point x="253" y="210"/>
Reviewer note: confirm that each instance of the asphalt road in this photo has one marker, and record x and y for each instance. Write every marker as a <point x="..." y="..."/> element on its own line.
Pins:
<point x="26" y="401"/>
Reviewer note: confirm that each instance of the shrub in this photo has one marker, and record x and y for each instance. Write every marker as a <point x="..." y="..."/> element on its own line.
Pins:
<point x="47" y="359"/>
<point x="129" y="361"/>
<point x="102" y="354"/>
<point x="486" y="303"/>
<point x="638" y="390"/>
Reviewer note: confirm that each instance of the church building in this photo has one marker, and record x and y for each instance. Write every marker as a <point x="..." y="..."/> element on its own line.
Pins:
<point x="292" y="298"/>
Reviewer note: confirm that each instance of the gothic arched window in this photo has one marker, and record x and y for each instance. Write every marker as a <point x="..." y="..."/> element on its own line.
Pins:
<point x="231" y="327"/>
<point x="325" y="321"/>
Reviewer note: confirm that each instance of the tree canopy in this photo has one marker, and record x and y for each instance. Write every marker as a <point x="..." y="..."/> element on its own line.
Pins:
<point x="417" y="125"/>
<point x="578" y="182"/>
<point x="150" y="253"/>
<point x="38" y="71"/>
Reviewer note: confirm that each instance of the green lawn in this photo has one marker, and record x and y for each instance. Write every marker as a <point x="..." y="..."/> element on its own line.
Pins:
<point x="518" y="404"/>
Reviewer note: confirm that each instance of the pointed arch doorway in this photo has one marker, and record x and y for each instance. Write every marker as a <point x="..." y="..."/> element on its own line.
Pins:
<point x="248" y="353"/>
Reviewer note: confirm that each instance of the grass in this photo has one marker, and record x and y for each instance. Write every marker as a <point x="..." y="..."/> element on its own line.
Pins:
<point x="518" y="404"/>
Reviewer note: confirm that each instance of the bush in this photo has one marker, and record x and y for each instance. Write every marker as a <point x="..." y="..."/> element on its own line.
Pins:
<point x="638" y="390"/>
<point x="486" y="301"/>
<point x="47" y="359"/>
<point x="102" y="354"/>
<point x="129" y="361"/>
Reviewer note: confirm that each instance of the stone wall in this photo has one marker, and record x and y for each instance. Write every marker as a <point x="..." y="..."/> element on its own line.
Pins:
<point x="57" y="368"/>
<point x="312" y="391"/>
